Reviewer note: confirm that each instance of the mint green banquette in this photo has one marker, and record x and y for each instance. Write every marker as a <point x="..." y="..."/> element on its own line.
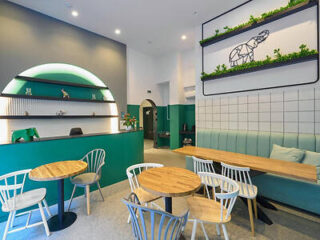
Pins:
<point x="298" y="193"/>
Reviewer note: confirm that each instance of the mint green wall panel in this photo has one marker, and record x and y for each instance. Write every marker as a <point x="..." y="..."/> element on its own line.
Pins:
<point x="231" y="141"/>
<point x="252" y="143"/>
<point x="276" y="138"/>
<point x="215" y="139"/>
<point x="307" y="142"/>
<point x="264" y="144"/>
<point x="122" y="151"/>
<point x="207" y="139"/>
<point x="290" y="140"/>
<point x="241" y="142"/>
<point x="223" y="136"/>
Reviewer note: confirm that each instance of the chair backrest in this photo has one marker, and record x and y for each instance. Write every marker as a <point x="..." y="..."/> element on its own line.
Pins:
<point x="161" y="225"/>
<point x="202" y="165"/>
<point x="11" y="185"/>
<point x="134" y="170"/>
<point x="240" y="175"/>
<point x="227" y="192"/>
<point x="95" y="160"/>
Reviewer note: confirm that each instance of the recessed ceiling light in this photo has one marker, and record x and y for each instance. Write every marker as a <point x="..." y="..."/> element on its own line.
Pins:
<point x="117" y="31"/>
<point x="183" y="37"/>
<point x="74" y="13"/>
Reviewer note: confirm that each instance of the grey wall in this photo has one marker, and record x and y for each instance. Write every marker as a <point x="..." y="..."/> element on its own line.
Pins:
<point x="29" y="38"/>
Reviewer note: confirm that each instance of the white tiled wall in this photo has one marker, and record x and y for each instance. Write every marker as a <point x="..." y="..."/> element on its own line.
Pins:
<point x="289" y="111"/>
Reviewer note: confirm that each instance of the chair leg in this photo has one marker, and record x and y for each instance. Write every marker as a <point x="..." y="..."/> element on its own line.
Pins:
<point x="47" y="207"/>
<point x="251" y="216"/>
<point x="194" y="230"/>
<point x="44" y="220"/>
<point x="225" y="233"/>
<point x="204" y="231"/>
<point x="7" y="226"/>
<point x="98" y="184"/>
<point x="255" y="208"/>
<point x="218" y="229"/>
<point x="12" y="218"/>
<point x="70" y="201"/>
<point x="88" y="198"/>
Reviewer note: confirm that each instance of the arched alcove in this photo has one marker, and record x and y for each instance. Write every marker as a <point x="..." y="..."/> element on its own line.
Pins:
<point x="146" y="106"/>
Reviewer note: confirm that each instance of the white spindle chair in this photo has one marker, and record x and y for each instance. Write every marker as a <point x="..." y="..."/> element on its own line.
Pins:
<point x="246" y="189"/>
<point x="95" y="160"/>
<point x="144" y="196"/>
<point x="14" y="199"/>
<point x="217" y="210"/>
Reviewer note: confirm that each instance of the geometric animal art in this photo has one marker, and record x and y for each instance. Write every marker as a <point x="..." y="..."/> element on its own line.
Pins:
<point x="244" y="53"/>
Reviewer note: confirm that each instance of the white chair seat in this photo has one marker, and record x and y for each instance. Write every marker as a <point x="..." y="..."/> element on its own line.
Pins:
<point x="85" y="179"/>
<point x="26" y="199"/>
<point x="243" y="191"/>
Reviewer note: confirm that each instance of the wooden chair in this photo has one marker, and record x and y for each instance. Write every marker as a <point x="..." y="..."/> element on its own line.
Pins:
<point x="95" y="160"/>
<point x="216" y="210"/>
<point x="14" y="199"/>
<point x="246" y="188"/>
<point x="154" y="224"/>
<point x="144" y="196"/>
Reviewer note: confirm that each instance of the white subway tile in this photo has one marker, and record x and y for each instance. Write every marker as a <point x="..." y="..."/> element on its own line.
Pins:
<point x="243" y="126"/>
<point x="243" y="117"/>
<point x="317" y="93"/>
<point x="306" y="128"/>
<point x="265" y="107"/>
<point x="317" y="130"/>
<point x="233" y="108"/>
<point x="265" y="117"/>
<point x="208" y="117"/>
<point x="291" y="106"/>
<point x="216" y="102"/>
<point x="306" y="105"/>
<point x="224" y="108"/>
<point x="276" y="117"/>
<point x="276" y="97"/>
<point x="224" y="101"/>
<point x="233" y="100"/>
<point x="277" y="107"/>
<point x="253" y="98"/>
<point x="263" y="98"/>
<point x="233" y="125"/>
<point x="306" y="117"/>
<point x="209" y="102"/>
<point x="264" y="126"/>
<point x="216" y="109"/>
<point x="291" y="95"/>
<point x="276" y="127"/>
<point x="208" y="125"/>
<point x="253" y="107"/>
<point x="233" y="117"/>
<point x="243" y="99"/>
<point x="216" y="125"/>
<point x="253" y="117"/>
<point x="202" y="102"/>
<point x="243" y="108"/>
<point x="291" y="127"/>
<point x="317" y="105"/>
<point x="306" y="94"/>
<point x="208" y="109"/>
<point x="291" y="116"/>
<point x="202" y="110"/>
<point x="224" y="125"/>
<point x="216" y="117"/>
<point x="253" y="126"/>
<point x="224" y="117"/>
<point x="317" y="116"/>
<point x="202" y="117"/>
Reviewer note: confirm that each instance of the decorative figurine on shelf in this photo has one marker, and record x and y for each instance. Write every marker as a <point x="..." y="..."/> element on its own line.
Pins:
<point x="244" y="53"/>
<point x="26" y="134"/>
<point x="65" y="94"/>
<point x="26" y="113"/>
<point x="93" y="96"/>
<point x="60" y="113"/>
<point x="28" y="91"/>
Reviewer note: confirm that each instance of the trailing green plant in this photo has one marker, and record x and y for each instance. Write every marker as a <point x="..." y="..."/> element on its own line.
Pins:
<point x="254" y="20"/>
<point x="278" y="57"/>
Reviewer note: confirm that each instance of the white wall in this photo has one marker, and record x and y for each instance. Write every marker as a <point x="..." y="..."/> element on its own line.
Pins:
<point x="294" y="109"/>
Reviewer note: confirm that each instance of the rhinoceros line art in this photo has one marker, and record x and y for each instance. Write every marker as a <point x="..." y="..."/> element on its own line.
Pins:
<point x="245" y="52"/>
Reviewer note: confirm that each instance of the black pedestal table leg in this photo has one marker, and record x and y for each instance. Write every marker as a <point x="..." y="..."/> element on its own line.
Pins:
<point x="168" y="203"/>
<point x="63" y="219"/>
<point x="261" y="215"/>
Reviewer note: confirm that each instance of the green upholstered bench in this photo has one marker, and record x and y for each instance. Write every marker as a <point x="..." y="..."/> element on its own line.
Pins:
<point x="301" y="194"/>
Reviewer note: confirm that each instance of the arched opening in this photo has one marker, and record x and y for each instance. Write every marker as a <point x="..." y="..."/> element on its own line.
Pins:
<point x="148" y="116"/>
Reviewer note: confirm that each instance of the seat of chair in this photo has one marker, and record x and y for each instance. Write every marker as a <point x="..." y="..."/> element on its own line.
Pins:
<point x="85" y="179"/>
<point x="26" y="199"/>
<point x="243" y="192"/>
<point x="206" y="210"/>
<point x="144" y="196"/>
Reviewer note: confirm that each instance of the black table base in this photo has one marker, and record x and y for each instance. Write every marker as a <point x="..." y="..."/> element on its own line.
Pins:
<point x="63" y="219"/>
<point x="168" y="203"/>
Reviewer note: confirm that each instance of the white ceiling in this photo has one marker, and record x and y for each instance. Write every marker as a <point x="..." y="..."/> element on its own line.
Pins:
<point x="160" y="22"/>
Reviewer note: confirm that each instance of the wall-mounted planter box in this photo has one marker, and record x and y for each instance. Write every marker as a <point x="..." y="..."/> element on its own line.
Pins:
<point x="55" y="98"/>
<point x="264" y="67"/>
<point x="57" y="117"/>
<point x="277" y="16"/>
<point x="57" y="82"/>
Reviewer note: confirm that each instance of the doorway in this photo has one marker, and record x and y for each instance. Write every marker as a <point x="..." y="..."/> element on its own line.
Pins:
<point x="148" y="120"/>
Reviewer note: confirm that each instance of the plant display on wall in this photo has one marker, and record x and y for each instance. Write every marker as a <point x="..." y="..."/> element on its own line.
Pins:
<point x="278" y="58"/>
<point x="128" y="121"/>
<point x="254" y="20"/>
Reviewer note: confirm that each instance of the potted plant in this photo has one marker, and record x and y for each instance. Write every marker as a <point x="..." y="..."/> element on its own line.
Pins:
<point x="129" y="122"/>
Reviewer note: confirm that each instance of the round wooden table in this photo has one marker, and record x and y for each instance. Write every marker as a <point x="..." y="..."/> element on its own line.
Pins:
<point x="59" y="171"/>
<point x="169" y="182"/>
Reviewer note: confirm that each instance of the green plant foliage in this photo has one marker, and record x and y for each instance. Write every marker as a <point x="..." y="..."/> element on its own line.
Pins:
<point x="254" y="20"/>
<point x="278" y="57"/>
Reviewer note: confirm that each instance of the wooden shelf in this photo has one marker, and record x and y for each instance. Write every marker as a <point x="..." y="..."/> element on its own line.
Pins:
<point x="57" y="82"/>
<point x="163" y="135"/>
<point x="55" y="98"/>
<point x="57" y="117"/>
<point x="187" y="132"/>
<point x="278" y="16"/>
<point x="264" y="67"/>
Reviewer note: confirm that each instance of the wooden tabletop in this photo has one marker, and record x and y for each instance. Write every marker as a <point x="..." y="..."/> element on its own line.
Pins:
<point x="169" y="181"/>
<point x="57" y="170"/>
<point x="268" y="165"/>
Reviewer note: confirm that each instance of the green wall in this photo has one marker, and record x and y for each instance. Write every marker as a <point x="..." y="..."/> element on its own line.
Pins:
<point x="179" y="114"/>
<point x="122" y="151"/>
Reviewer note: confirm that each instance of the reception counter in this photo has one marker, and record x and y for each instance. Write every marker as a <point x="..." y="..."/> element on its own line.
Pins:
<point x="123" y="149"/>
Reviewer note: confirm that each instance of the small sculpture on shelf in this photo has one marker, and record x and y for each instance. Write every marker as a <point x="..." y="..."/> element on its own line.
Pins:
<point x="93" y="114"/>
<point x="60" y="113"/>
<point x="26" y="134"/>
<point x="26" y="113"/>
<point x="28" y="92"/>
<point x="65" y="94"/>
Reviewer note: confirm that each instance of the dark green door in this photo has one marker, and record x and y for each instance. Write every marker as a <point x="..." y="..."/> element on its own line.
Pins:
<point x="148" y="122"/>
